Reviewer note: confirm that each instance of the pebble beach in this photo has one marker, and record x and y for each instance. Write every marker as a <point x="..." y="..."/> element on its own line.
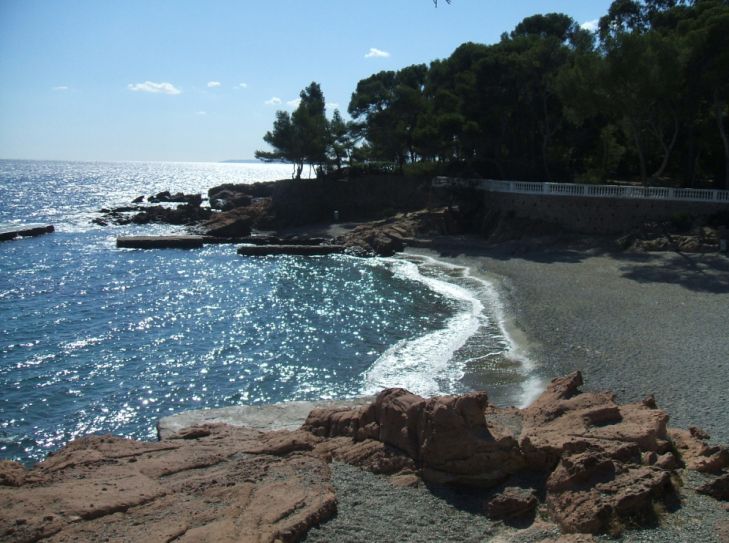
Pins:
<point x="633" y="323"/>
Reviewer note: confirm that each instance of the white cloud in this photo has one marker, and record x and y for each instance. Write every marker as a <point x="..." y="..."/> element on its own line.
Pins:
<point x="294" y="103"/>
<point x="333" y="105"/>
<point x="590" y="25"/>
<point x="273" y="101"/>
<point x="201" y="113"/>
<point x="151" y="86"/>
<point x="213" y="84"/>
<point x="243" y="85"/>
<point x="376" y="53"/>
<point x="60" y="88"/>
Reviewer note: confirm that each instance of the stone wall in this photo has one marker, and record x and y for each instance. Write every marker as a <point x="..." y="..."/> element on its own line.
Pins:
<point x="593" y="215"/>
<point x="361" y="198"/>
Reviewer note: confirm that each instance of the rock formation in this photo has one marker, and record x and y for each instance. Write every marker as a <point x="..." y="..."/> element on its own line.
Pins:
<point x="592" y="465"/>
<point x="389" y="236"/>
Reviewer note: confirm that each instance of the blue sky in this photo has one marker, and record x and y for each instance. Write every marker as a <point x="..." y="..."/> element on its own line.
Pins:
<point x="201" y="80"/>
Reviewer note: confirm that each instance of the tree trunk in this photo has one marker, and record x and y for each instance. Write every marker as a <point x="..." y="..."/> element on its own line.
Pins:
<point x="667" y="149"/>
<point x="639" y="149"/>
<point x="545" y="138"/>
<point x="718" y="111"/>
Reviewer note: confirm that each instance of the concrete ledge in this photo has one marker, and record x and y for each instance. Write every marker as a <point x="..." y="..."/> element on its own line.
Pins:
<point x="263" y="250"/>
<point x="160" y="242"/>
<point x="25" y="230"/>
<point x="277" y="416"/>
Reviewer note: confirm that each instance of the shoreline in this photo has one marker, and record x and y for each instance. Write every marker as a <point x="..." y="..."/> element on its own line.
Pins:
<point x="634" y="323"/>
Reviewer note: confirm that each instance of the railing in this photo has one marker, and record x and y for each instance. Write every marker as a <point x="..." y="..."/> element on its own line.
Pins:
<point x="591" y="191"/>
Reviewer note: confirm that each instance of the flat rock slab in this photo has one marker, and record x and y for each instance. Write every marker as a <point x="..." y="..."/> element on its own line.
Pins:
<point x="306" y="250"/>
<point x="223" y="486"/>
<point x="160" y="242"/>
<point x="24" y="230"/>
<point x="278" y="416"/>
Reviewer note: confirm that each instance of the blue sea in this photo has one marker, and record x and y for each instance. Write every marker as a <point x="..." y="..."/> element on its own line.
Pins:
<point x="95" y="339"/>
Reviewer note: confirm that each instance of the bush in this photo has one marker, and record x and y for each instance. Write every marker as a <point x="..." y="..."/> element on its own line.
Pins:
<point x="682" y="222"/>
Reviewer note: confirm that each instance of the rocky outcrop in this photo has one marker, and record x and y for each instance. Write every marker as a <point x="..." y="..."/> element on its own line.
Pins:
<point x="389" y="236"/>
<point x="186" y="214"/>
<point x="228" y="224"/>
<point x="178" y="197"/>
<point x="605" y="464"/>
<point x="513" y="503"/>
<point x="223" y="484"/>
<point x="588" y="463"/>
<point x="226" y="199"/>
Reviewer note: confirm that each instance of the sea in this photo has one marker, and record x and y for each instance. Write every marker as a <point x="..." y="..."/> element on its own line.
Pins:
<point x="95" y="339"/>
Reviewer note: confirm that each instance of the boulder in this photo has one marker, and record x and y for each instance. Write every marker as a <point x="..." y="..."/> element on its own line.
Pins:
<point x="718" y="488"/>
<point x="138" y="200"/>
<point x="564" y="420"/>
<point x="181" y="215"/>
<point x="696" y="453"/>
<point x="228" y="224"/>
<point x="226" y="200"/>
<point x="165" y="196"/>
<point x="11" y="473"/>
<point x="512" y="503"/>
<point x="447" y="436"/>
<point x="591" y="493"/>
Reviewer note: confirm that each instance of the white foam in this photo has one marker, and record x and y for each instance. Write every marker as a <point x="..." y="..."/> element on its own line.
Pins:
<point x="425" y="365"/>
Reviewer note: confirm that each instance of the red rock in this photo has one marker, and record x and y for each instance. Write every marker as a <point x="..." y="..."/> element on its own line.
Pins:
<point x="11" y="473"/>
<point x="228" y="224"/>
<point x="697" y="454"/>
<point x="511" y="503"/>
<point x="194" y="490"/>
<point x="589" y="493"/>
<point x="668" y="461"/>
<point x="563" y="419"/>
<point x="717" y="488"/>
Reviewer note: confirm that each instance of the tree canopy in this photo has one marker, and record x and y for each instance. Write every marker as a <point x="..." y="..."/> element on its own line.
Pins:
<point x="645" y="97"/>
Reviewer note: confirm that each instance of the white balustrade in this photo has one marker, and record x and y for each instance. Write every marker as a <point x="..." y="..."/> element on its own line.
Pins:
<point x="592" y="191"/>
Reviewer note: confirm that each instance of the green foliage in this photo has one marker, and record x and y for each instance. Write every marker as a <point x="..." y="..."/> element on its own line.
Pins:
<point x="644" y="97"/>
<point x="306" y="136"/>
<point x="681" y="222"/>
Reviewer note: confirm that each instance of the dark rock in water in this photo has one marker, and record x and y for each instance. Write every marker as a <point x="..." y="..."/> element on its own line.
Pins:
<point x="138" y="200"/>
<point x="182" y="214"/>
<point x="25" y="230"/>
<point x="228" y="224"/>
<point x="160" y="197"/>
<point x="256" y="190"/>
<point x="165" y="196"/>
<point x="226" y="200"/>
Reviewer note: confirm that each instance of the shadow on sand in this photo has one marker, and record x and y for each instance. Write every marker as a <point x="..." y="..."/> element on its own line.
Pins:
<point x="699" y="272"/>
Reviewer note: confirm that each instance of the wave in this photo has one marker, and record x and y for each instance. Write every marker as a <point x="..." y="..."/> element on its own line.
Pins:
<point x="429" y="364"/>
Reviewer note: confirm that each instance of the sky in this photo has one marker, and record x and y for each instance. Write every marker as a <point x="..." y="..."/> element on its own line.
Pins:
<point x="182" y="80"/>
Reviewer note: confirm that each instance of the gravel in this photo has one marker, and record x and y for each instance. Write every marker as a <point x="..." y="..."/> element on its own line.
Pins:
<point x="636" y="324"/>
<point x="632" y="323"/>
